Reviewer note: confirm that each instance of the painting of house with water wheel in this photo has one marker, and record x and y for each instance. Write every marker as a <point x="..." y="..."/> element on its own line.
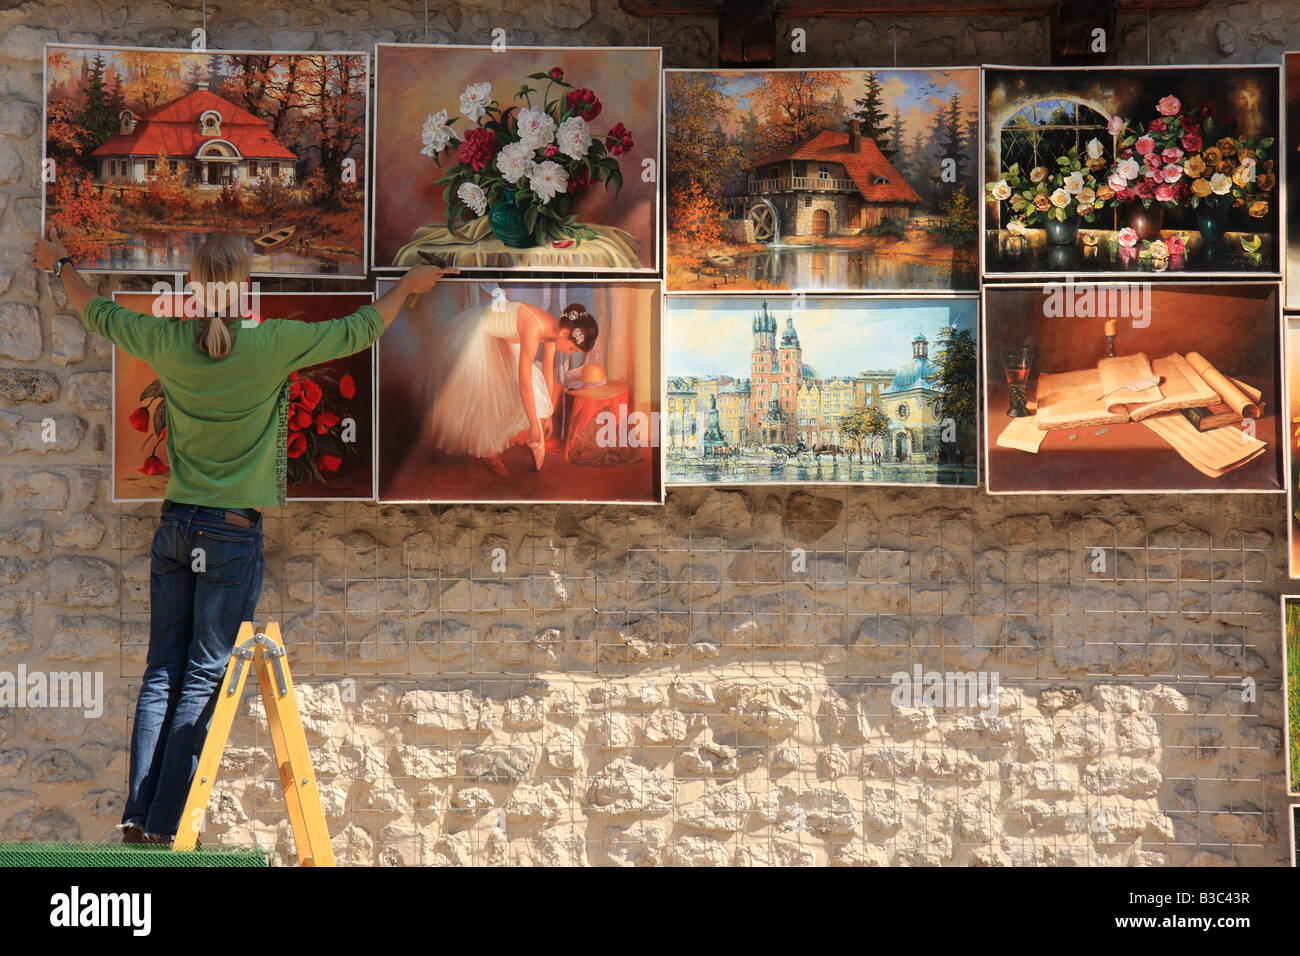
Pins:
<point x="834" y="180"/>
<point x="150" y="152"/>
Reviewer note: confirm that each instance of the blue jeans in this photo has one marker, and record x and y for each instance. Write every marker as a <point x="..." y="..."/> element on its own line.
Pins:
<point x="205" y="579"/>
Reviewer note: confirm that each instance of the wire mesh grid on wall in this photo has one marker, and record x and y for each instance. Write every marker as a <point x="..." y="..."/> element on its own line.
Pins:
<point x="712" y="681"/>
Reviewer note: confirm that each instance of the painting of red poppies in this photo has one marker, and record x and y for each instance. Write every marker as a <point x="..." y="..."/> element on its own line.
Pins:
<point x="149" y="152"/>
<point x="330" y="443"/>
<point x="542" y="159"/>
<point x="1122" y="170"/>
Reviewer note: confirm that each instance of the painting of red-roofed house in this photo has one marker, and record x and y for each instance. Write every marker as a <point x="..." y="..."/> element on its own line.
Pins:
<point x="836" y="180"/>
<point x="149" y="152"/>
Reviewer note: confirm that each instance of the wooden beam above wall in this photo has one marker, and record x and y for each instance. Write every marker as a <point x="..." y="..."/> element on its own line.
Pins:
<point x="789" y="9"/>
<point x="747" y="33"/>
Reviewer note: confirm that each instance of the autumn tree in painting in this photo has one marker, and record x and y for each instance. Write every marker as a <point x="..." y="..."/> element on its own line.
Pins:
<point x="334" y="117"/>
<point x="863" y="424"/>
<point x="791" y="106"/>
<point x="309" y="101"/>
<point x="147" y="81"/>
<point x="699" y="152"/>
<point x="264" y="84"/>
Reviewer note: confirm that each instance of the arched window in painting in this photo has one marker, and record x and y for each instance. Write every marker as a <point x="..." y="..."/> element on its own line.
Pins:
<point x="1038" y="133"/>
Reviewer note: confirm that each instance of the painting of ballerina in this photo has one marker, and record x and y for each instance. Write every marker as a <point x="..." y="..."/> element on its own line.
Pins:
<point x="522" y="391"/>
<point x="545" y="159"/>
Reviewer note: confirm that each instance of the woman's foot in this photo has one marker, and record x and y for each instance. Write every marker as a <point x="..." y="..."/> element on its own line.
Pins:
<point x="497" y="466"/>
<point x="133" y="833"/>
<point x="159" y="839"/>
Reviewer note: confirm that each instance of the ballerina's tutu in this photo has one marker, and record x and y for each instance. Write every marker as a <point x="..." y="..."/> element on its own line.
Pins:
<point x="473" y="384"/>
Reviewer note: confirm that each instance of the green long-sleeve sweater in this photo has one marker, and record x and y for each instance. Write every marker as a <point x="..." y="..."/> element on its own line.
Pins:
<point x="227" y="418"/>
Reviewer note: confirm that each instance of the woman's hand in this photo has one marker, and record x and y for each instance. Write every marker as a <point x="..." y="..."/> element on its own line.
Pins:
<point x="47" y="252"/>
<point x="536" y="434"/>
<point x="420" y="279"/>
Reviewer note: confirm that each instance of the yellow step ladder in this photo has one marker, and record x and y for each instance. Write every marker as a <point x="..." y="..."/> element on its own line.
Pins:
<point x="264" y="652"/>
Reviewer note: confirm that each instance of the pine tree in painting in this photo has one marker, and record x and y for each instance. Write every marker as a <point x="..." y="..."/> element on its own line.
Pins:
<point x="952" y="140"/>
<point x="871" y="116"/>
<point x="894" y="152"/>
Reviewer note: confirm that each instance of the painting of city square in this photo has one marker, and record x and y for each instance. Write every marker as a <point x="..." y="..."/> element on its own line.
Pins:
<point x="787" y="389"/>
<point x="1132" y="169"/>
<point x="149" y="152"/>
<point x="837" y="180"/>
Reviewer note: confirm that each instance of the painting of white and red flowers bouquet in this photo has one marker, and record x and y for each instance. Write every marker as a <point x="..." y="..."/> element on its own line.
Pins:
<point x="542" y="159"/>
<point x="329" y="447"/>
<point x="1180" y="167"/>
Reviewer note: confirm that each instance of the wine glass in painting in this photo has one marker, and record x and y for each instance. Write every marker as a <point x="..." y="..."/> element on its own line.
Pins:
<point x="1017" y="364"/>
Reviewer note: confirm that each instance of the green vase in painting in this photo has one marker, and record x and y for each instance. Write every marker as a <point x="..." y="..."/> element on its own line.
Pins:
<point x="1062" y="233"/>
<point x="1212" y="220"/>
<point x="506" y="220"/>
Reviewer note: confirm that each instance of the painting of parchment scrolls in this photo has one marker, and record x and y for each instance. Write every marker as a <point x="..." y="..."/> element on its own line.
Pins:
<point x="1116" y="170"/>
<point x="522" y="391"/>
<point x="537" y="159"/>
<point x="329" y="452"/>
<point x="1132" y="387"/>
<point x="155" y="150"/>
<point x="837" y="180"/>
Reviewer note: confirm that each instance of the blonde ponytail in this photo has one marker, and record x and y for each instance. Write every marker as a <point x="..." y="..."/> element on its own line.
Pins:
<point x="220" y="269"/>
<point x="217" y="340"/>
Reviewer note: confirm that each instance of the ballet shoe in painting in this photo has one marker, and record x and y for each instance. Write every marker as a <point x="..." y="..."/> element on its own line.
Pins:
<point x="539" y="454"/>
<point x="497" y="466"/>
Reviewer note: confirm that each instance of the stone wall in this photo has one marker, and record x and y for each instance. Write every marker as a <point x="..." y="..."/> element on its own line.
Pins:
<point x="703" y="683"/>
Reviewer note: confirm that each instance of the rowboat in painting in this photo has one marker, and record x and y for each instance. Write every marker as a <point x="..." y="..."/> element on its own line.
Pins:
<point x="275" y="238"/>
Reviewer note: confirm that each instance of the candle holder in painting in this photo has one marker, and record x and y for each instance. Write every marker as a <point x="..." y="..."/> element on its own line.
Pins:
<point x="1017" y="364"/>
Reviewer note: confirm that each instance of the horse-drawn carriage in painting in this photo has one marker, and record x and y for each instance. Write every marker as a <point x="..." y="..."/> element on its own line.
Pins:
<point x="801" y="452"/>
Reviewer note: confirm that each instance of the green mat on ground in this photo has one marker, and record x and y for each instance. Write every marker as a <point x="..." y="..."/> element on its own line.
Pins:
<point x="120" y="854"/>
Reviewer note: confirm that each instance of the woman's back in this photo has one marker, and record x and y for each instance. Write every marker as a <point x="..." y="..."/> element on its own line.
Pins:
<point x="227" y="418"/>
<point x="501" y="322"/>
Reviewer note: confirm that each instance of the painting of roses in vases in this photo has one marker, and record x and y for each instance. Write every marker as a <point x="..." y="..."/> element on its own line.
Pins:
<point x="538" y="159"/>
<point x="1122" y="170"/>
<point x="329" y="442"/>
